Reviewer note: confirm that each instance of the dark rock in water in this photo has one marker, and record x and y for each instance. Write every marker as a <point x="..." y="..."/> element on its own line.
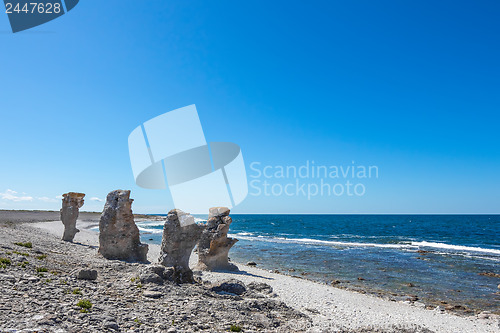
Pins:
<point x="118" y="233"/>
<point x="87" y="274"/>
<point x="180" y="235"/>
<point x="251" y="263"/>
<point x="231" y="286"/>
<point x="412" y="298"/>
<point x="71" y="204"/>
<point x="214" y="244"/>
<point x="260" y="287"/>
<point x="335" y="282"/>
<point x="490" y="274"/>
<point x="411" y="285"/>
<point x="360" y="279"/>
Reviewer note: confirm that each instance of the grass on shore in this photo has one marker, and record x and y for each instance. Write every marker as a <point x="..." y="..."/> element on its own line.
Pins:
<point x="24" y="244"/>
<point x="84" y="305"/>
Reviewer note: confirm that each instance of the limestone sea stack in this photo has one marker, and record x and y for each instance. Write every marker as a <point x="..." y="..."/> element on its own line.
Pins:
<point x="118" y="234"/>
<point x="71" y="204"/>
<point x="214" y="244"/>
<point x="180" y="235"/>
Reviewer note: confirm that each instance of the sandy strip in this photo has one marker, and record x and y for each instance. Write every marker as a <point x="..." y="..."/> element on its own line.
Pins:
<point x="329" y="307"/>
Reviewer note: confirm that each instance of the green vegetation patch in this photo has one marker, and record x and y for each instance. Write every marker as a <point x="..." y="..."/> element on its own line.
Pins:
<point x="84" y="304"/>
<point x="235" y="328"/>
<point x="27" y="244"/>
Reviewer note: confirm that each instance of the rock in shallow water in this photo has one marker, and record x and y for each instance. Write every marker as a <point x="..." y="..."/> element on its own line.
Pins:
<point x="118" y="233"/>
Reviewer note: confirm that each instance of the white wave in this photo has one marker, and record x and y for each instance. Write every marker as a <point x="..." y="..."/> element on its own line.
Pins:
<point x="410" y="245"/>
<point x="318" y="241"/>
<point x="455" y="247"/>
<point x="151" y="223"/>
<point x="150" y="231"/>
<point x="244" y="234"/>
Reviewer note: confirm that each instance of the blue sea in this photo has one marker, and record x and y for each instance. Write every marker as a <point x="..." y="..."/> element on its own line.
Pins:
<point x="438" y="258"/>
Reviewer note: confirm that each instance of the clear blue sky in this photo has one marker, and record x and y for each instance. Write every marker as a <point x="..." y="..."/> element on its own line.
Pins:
<point x="411" y="87"/>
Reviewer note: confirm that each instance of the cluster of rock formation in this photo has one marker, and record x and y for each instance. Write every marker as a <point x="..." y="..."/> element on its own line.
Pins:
<point x="118" y="233"/>
<point x="71" y="204"/>
<point x="119" y="236"/>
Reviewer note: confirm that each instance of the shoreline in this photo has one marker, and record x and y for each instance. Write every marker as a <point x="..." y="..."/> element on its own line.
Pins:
<point x="328" y="306"/>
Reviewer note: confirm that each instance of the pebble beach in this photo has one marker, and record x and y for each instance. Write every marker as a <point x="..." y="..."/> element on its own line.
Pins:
<point x="48" y="285"/>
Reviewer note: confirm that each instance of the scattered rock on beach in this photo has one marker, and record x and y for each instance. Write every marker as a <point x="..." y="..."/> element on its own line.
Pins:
<point x="214" y="244"/>
<point x="118" y="233"/>
<point x="251" y="263"/>
<point x="260" y="287"/>
<point x="71" y="204"/>
<point x="151" y="294"/>
<point x="180" y="235"/>
<point x="231" y="286"/>
<point x="87" y="274"/>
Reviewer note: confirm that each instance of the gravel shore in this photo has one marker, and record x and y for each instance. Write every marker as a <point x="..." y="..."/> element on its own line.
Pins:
<point x="41" y="290"/>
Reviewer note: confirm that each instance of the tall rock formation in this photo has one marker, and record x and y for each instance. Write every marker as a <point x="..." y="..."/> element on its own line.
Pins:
<point x="180" y="235"/>
<point x="118" y="234"/>
<point x="214" y="244"/>
<point x="71" y="204"/>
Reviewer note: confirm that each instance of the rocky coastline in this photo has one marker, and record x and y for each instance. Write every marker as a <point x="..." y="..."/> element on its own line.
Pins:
<point x="49" y="285"/>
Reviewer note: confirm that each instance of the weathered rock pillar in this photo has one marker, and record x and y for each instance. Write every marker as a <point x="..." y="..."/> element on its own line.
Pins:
<point x="118" y="234"/>
<point x="71" y="204"/>
<point x="214" y="245"/>
<point x="180" y="235"/>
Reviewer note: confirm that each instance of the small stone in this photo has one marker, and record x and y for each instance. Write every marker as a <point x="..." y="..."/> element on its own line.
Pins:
<point x="251" y="263"/>
<point x="412" y="298"/>
<point x="484" y="315"/>
<point x="439" y="309"/>
<point x="5" y="277"/>
<point x="151" y="294"/>
<point x="87" y="274"/>
<point x="111" y="325"/>
<point x="335" y="282"/>
<point x="360" y="279"/>
<point x="33" y="279"/>
<point x="419" y="305"/>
